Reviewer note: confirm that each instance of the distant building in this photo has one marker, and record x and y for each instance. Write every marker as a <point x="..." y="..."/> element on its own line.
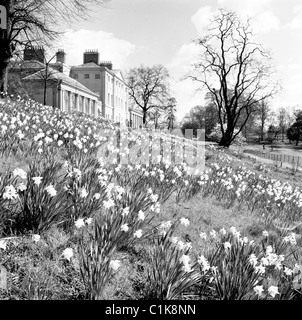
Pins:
<point x="63" y="92"/>
<point x="135" y="118"/>
<point x="93" y="87"/>
<point x="109" y="84"/>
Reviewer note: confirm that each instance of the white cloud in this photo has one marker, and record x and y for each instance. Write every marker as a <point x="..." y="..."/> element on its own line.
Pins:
<point x="265" y="22"/>
<point x="202" y="18"/>
<point x="185" y="91"/>
<point x="263" y="19"/>
<point x="110" y="48"/>
<point x="183" y="59"/>
<point x="250" y="8"/>
<point x="186" y="95"/>
<point x="296" y="23"/>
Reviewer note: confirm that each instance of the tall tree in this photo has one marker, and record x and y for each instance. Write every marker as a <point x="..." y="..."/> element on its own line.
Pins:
<point x="234" y="69"/>
<point x="294" y="133"/>
<point x="35" y="21"/>
<point x="282" y="119"/>
<point x="263" y="115"/>
<point x="171" y="113"/>
<point x="148" y="87"/>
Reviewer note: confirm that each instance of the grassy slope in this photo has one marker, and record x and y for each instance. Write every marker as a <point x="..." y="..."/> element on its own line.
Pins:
<point x="205" y="214"/>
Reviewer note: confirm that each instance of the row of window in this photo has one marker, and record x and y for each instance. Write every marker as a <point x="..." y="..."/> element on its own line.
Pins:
<point x="87" y="76"/>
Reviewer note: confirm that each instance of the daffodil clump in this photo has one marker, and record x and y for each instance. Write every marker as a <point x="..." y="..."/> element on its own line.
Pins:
<point x="89" y="191"/>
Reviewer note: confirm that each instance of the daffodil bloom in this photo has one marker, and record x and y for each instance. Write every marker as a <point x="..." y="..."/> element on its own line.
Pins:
<point x="227" y="245"/>
<point x="265" y="234"/>
<point x="114" y="264"/>
<point x="108" y="204"/>
<point x="21" y="187"/>
<point x="203" y="236"/>
<point x="125" y="228"/>
<point x="83" y="193"/>
<point x="10" y="193"/>
<point x="273" y="291"/>
<point x="138" y="234"/>
<point x="51" y="191"/>
<point x="125" y="212"/>
<point x="36" y="238"/>
<point x="269" y="249"/>
<point x="37" y="180"/>
<point x="141" y="216"/>
<point x="97" y="196"/>
<point x="288" y="271"/>
<point x="222" y="232"/>
<point x="68" y="253"/>
<point x="204" y="263"/>
<point x="80" y="223"/>
<point x="20" y="173"/>
<point x="253" y="260"/>
<point x="258" y="290"/>
<point x="213" y="234"/>
<point x="185" y="222"/>
<point x="187" y="268"/>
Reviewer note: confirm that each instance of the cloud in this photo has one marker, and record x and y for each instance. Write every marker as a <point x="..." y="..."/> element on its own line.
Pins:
<point x="110" y="48"/>
<point x="182" y="60"/>
<point x="186" y="95"/>
<point x="265" y="22"/>
<point x="185" y="91"/>
<point x="202" y="18"/>
<point x="262" y="17"/>
<point x="296" y="23"/>
<point x="249" y="8"/>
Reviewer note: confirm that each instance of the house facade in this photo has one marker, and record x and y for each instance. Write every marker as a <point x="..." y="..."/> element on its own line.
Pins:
<point x="63" y="92"/>
<point x="108" y="83"/>
<point x="94" y="87"/>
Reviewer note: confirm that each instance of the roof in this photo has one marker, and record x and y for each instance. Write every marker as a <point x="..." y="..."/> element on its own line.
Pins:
<point x="87" y="65"/>
<point x="27" y="64"/>
<point x="119" y="74"/>
<point x="56" y="75"/>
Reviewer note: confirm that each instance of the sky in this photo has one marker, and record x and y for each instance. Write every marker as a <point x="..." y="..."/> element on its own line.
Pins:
<point x="131" y="33"/>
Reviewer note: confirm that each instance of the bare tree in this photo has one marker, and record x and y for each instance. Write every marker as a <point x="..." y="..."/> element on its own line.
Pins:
<point x="35" y="21"/>
<point x="263" y="116"/>
<point x="148" y="87"/>
<point x="234" y="69"/>
<point x="171" y="113"/>
<point x="282" y="118"/>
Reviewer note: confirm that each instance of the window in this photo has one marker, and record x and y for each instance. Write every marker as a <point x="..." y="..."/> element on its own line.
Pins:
<point x="76" y="76"/>
<point x="86" y="76"/>
<point x="97" y="76"/>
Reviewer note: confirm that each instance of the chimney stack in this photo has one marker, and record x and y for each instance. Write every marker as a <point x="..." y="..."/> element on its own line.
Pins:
<point x="91" y="56"/>
<point x="61" y="56"/>
<point x="106" y="64"/>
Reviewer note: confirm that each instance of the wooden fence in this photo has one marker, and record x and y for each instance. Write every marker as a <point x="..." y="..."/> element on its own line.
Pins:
<point x="296" y="160"/>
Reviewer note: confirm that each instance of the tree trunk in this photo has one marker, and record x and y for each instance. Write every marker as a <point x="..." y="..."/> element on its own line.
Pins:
<point x="3" y="75"/>
<point x="144" y="117"/>
<point x="5" y="56"/>
<point x="226" y="139"/>
<point x="7" y="49"/>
